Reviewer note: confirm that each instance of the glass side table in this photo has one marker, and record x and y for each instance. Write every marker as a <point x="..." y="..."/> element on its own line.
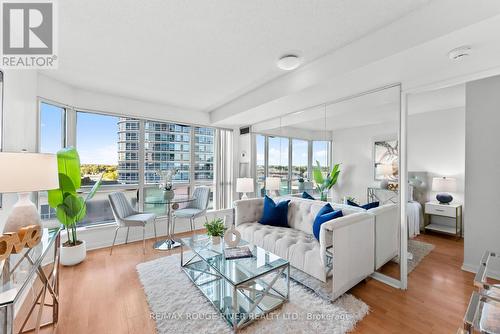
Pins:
<point x="18" y="275"/>
<point x="483" y="312"/>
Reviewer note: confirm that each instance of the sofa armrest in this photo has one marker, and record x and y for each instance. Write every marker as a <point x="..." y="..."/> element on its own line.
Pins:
<point x="248" y="210"/>
<point x="353" y="241"/>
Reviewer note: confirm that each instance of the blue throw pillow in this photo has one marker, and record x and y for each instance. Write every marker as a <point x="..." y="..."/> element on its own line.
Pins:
<point x="326" y="213"/>
<point x="371" y="205"/>
<point x="351" y="203"/>
<point x="275" y="214"/>
<point x="307" y="196"/>
<point x="367" y="206"/>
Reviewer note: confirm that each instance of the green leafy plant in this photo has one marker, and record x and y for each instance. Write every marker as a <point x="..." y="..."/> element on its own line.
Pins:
<point x="70" y="208"/>
<point x="215" y="227"/>
<point x="323" y="184"/>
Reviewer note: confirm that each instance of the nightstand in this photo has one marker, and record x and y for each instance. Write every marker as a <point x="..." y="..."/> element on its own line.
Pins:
<point x="452" y="210"/>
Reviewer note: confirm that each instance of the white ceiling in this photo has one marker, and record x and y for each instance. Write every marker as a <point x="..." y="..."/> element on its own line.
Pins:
<point x="412" y="50"/>
<point x="201" y="54"/>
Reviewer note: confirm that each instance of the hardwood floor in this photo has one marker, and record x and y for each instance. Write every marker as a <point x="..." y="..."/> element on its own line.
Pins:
<point x="104" y="295"/>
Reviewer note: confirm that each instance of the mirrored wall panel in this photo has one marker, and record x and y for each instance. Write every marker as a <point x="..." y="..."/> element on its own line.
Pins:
<point x="345" y="153"/>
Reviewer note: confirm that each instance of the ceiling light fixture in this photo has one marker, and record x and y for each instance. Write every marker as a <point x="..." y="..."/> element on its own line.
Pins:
<point x="459" y="53"/>
<point x="289" y="62"/>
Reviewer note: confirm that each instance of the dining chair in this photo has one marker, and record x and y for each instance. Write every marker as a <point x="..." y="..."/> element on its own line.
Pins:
<point x="196" y="208"/>
<point x="126" y="216"/>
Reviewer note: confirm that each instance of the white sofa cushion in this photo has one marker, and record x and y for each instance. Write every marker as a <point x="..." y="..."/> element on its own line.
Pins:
<point x="301" y="249"/>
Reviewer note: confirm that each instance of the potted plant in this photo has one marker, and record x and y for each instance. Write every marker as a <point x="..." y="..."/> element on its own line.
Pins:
<point x="215" y="229"/>
<point x="166" y="183"/>
<point x="70" y="208"/>
<point x="324" y="184"/>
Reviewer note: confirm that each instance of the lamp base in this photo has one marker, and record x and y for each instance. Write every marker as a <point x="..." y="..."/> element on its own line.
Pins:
<point x="244" y="196"/>
<point x="444" y="198"/>
<point x="24" y="213"/>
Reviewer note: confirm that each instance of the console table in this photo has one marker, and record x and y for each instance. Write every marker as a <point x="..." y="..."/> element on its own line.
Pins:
<point x="35" y="268"/>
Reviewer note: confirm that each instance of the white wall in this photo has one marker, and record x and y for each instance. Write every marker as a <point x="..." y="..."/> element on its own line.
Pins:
<point x="59" y="92"/>
<point x="482" y="218"/>
<point x="436" y="144"/>
<point x="353" y="149"/>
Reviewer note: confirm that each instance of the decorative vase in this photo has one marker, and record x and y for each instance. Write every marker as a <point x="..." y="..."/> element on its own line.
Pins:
<point x="324" y="196"/>
<point x="384" y="184"/>
<point x="232" y="236"/>
<point x="72" y="255"/>
<point x="216" y="239"/>
<point x="168" y="194"/>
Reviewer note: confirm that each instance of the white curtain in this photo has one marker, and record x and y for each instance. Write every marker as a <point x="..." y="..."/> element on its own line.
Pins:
<point x="224" y="169"/>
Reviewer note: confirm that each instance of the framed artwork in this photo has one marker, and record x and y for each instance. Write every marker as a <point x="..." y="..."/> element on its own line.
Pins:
<point x="386" y="161"/>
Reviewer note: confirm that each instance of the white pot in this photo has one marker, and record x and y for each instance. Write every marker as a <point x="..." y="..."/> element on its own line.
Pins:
<point x="215" y="240"/>
<point x="74" y="254"/>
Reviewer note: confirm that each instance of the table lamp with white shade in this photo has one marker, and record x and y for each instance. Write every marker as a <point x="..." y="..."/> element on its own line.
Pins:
<point x="273" y="185"/>
<point x="443" y="185"/>
<point x="244" y="185"/>
<point x="24" y="173"/>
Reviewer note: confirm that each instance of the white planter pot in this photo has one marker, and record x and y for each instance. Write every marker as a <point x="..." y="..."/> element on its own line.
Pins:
<point x="216" y="240"/>
<point x="73" y="255"/>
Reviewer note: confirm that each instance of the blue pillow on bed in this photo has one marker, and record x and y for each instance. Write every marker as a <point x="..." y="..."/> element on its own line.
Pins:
<point x="326" y="213"/>
<point x="275" y="214"/>
<point x="367" y="206"/>
<point x="307" y="196"/>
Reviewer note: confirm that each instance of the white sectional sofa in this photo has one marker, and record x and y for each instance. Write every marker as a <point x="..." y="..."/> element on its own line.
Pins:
<point x="350" y="239"/>
<point x="386" y="232"/>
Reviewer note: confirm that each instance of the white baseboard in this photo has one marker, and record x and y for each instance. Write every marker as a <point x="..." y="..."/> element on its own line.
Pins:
<point x="102" y="236"/>
<point x="473" y="269"/>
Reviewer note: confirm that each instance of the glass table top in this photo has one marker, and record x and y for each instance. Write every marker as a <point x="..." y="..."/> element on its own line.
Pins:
<point x="17" y="271"/>
<point x="176" y="199"/>
<point x="236" y="271"/>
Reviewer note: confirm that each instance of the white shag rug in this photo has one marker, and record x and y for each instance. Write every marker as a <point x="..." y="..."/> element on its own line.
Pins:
<point x="179" y="307"/>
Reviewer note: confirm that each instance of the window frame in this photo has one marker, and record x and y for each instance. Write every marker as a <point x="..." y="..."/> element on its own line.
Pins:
<point x="310" y="163"/>
<point x="69" y="130"/>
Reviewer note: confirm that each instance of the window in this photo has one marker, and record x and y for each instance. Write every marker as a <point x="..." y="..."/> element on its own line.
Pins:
<point x="300" y="151"/>
<point x="273" y="159"/>
<point x="51" y="128"/>
<point x="166" y="146"/>
<point x="97" y="145"/>
<point x="260" y="169"/>
<point x="278" y="161"/>
<point x="321" y="153"/>
<point x="51" y="139"/>
<point x="130" y="152"/>
<point x="204" y="154"/>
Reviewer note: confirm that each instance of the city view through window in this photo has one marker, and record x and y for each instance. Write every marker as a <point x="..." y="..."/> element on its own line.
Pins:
<point x="110" y="146"/>
<point x="278" y="163"/>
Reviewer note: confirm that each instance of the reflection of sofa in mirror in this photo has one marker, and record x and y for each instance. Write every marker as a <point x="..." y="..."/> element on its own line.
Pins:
<point x="386" y="231"/>
<point x="350" y="240"/>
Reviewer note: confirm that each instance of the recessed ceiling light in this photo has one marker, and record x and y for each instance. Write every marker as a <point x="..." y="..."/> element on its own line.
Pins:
<point x="289" y="62"/>
<point x="459" y="53"/>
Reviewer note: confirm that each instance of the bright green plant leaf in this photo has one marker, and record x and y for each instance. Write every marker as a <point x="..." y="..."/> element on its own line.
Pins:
<point x="318" y="175"/>
<point x="55" y="197"/>
<point x="94" y="189"/>
<point x="62" y="216"/>
<point x="66" y="184"/>
<point x="68" y="162"/>
<point x="73" y="204"/>
<point x="83" y="211"/>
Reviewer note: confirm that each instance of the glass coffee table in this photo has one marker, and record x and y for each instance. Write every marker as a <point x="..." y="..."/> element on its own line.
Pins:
<point x="242" y="290"/>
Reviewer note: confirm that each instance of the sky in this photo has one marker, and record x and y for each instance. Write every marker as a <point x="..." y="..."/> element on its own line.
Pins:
<point x="96" y="135"/>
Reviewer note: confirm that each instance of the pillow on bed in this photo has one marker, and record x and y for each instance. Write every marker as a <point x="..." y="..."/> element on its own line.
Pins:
<point x="326" y="213"/>
<point x="306" y="195"/>
<point x="366" y="206"/>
